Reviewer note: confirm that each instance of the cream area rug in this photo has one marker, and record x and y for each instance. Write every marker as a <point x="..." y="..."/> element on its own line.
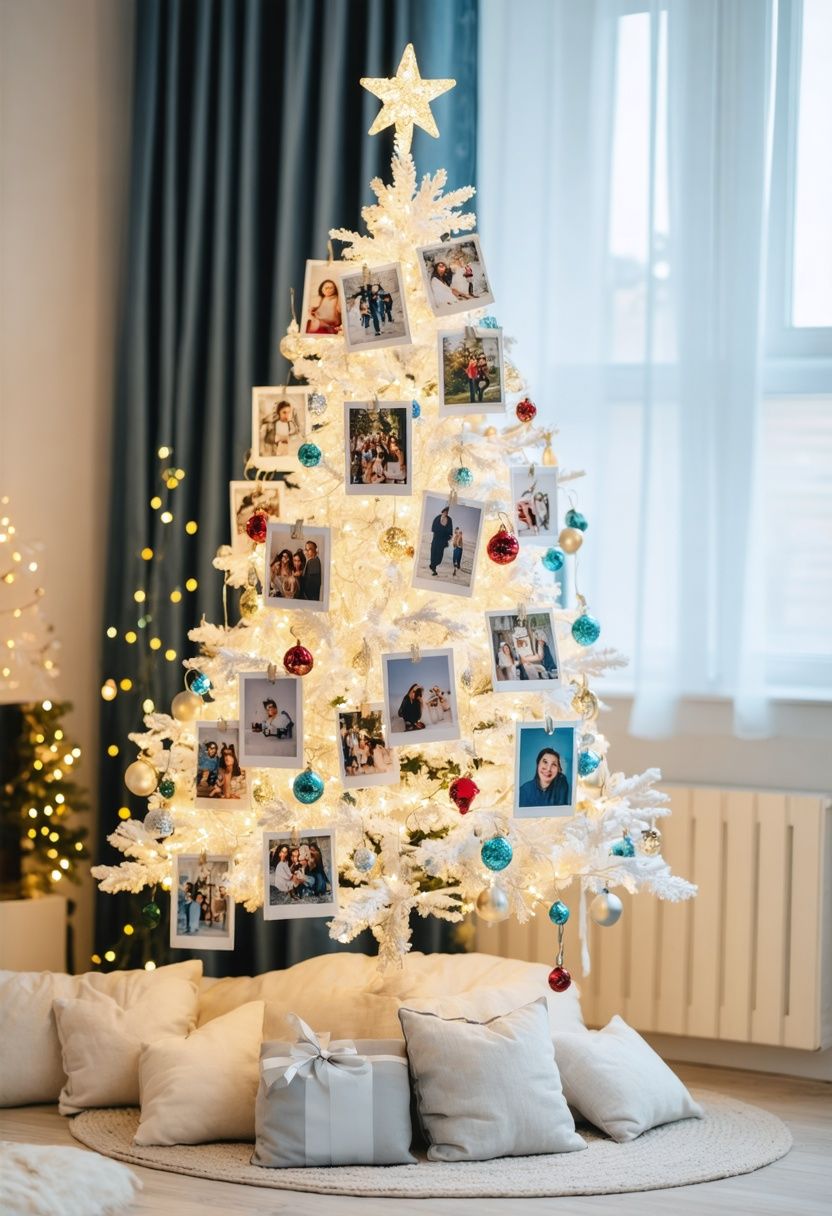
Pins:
<point x="733" y="1138"/>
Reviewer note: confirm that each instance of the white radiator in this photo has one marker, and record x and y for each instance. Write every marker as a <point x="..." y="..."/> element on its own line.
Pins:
<point x="746" y="960"/>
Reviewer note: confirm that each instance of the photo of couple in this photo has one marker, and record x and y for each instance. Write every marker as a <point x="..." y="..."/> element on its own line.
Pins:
<point x="544" y="770"/>
<point x="219" y="778"/>
<point x="377" y="445"/>
<point x="420" y="697"/>
<point x="471" y="375"/>
<point x="278" y="426"/>
<point x="321" y="310"/>
<point x="373" y="309"/>
<point x="449" y="542"/>
<point x="454" y="276"/>
<point x="300" y="873"/>
<point x="364" y="757"/>
<point x="523" y="649"/>
<point x="271" y="731"/>
<point x="534" y="493"/>
<point x="248" y="497"/>
<point x="202" y="911"/>
<point x="297" y="563"/>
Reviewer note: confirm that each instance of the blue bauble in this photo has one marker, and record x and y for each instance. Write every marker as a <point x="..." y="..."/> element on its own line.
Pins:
<point x="588" y="761"/>
<point x="200" y="684"/>
<point x="558" y="913"/>
<point x="309" y="454"/>
<point x="586" y="630"/>
<point x="574" y="519"/>
<point x="553" y="559"/>
<point x="415" y="409"/>
<point x="461" y="476"/>
<point x="489" y="323"/>
<point x="308" y="786"/>
<point x="623" y="848"/>
<point x="496" y="853"/>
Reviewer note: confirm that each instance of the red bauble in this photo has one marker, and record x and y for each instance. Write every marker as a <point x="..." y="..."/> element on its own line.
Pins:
<point x="463" y="791"/>
<point x="298" y="661"/>
<point x="559" y="979"/>
<point x="503" y="546"/>
<point x="257" y="526"/>
<point x="525" y="410"/>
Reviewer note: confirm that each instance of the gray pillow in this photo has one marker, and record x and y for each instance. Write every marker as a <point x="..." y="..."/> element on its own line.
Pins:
<point x="488" y="1089"/>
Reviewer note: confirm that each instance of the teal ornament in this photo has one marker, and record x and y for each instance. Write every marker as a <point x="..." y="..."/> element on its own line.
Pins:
<point x="309" y="454"/>
<point x="415" y="409"/>
<point x="623" y="848"/>
<point x="316" y="404"/>
<point x="553" y="559"/>
<point x="167" y="787"/>
<point x="497" y="853"/>
<point x="151" y="915"/>
<point x="558" y="913"/>
<point x="461" y="476"/>
<point x="489" y="323"/>
<point x="200" y="684"/>
<point x="586" y="629"/>
<point x="308" y="786"/>
<point x="588" y="761"/>
<point x="574" y="519"/>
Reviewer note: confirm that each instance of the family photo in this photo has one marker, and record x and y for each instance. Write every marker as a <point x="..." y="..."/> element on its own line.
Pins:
<point x="278" y="426"/>
<point x="220" y="781"/>
<point x="523" y="649"/>
<point x="297" y="567"/>
<point x="454" y="276"/>
<point x="449" y="542"/>
<point x="373" y="308"/>
<point x="471" y="375"/>
<point x="248" y="497"/>
<point x="544" y="770"/>
<point x="377" y="447"/>
<point x="420" y="698"/>
<point x="301" y="874"/>
<point x="201" y="911"/>
<point x="271" y="721"/>
<point x="321" y="309"/>
<point x="364" y="757"/>
<point x="534" y="496"/>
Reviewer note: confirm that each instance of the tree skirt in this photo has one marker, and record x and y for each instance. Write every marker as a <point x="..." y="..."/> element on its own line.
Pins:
<point x="733" y="1138"/>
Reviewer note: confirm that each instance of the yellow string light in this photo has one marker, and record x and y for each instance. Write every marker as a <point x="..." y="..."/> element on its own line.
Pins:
<point x="191" y="527"/>
<point x="155" y="502"/>
<point x="147" y="553"/>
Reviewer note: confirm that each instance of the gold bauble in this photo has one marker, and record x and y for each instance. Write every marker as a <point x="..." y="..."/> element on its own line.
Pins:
<point x="249" y="602"/>
<point x="585" y="703"/>
<point x="263" y="791"/>
<point x="571" y="539"/>
<point x="651" y="842"/>
<point x="549" y="458"/>
<point x="185" y="706"/>
<point x="394" y="544"/>
<point x="141" y="778"/>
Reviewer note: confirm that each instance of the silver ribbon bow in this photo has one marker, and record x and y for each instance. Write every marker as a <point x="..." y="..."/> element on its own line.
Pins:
<point x="309" y="1055"/>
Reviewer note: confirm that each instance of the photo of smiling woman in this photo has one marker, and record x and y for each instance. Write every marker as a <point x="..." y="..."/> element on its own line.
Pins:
<point x="544" y="770"/>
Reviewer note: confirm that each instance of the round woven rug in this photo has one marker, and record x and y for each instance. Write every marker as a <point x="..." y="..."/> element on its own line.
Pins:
<point x="733" y="1138"/>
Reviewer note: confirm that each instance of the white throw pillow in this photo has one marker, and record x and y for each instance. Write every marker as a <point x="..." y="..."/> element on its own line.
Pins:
<point x="101" y="1042"/>
<point x="617" y="1082"/>
<point x="202" y="1088"/>
<point x="488" y="1089"/>
<point x="31" y="1069"/>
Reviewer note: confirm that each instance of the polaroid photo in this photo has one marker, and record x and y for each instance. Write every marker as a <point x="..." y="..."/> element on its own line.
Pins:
<point x="523" y="649"/>
<point x="378" y="448"/>
<point x="248" y="497"/>
<point x="271" y="721"/>
<point x="534" y="498"/>
<point x="471" y="373"/>
<point x="297" y="564"/>
<point x="454" y="276"/>
<point x="320" y="315"/>
<point x="420" y="704"/>
<point x="449" y="543"/>
<point x="300" y="872"/>
<point x="373" y="308"/>
<point x="221" y="783"/>
<point x="278" y="426"/>
<point x="364" y="757"/>
<point x="201" y="909"/>
<point x="545" y="767"/>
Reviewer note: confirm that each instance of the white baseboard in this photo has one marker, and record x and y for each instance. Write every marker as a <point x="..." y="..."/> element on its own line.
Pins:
<point x="814" y="1065"/>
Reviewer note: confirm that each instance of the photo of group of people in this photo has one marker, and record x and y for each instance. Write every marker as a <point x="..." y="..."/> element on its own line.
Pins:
<point x="377" y="447"/>
<point x="471" y="373"/>
<point x="523" y="649"/>
<point x="364" y="756"/>
<point x="271" y="721"/>
<point x="454" y="276"/>
<point x="373" y="308"/>
<point x="278" y="426"/>
<point x="301" y="874"/>
<point x="297" y="562"/>
<point x="420" y="696"/>
<point x="202" y="911"/>
<point x="321" y="311"/>
<point x="449" y="542"/>
<point x="248" y="497"/>
<point x="534" y="494"/>
<point x="219" y="777"/>
<point x="544" y="770"/>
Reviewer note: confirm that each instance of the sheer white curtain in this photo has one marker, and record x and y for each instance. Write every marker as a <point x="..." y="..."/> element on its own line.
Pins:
<point x="623" y="176"/>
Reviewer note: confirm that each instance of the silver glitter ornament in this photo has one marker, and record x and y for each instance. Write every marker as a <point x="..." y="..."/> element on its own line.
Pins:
<point x="159" y="823"/>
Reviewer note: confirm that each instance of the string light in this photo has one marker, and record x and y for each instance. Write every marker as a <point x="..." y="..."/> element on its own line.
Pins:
<point x="147" y="553"/>
<point x="191" y="527"/>
<point x="155" y="502"/>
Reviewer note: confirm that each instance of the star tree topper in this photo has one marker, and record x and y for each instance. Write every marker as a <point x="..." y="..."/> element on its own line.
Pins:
<point x="406" y="97"/>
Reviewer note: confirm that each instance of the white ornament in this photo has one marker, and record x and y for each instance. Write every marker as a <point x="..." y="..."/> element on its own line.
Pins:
<point x="159" y="823"/>
<point x="492" y="904"/>
<point x="363" y="859"/>
<point x="606" y="909"/>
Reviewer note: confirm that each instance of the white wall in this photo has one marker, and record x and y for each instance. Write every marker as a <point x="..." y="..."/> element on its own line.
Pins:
<point x="65" y="85"/>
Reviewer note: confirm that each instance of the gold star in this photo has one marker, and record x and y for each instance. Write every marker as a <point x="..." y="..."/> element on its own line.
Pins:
<point x="406" y="97"/>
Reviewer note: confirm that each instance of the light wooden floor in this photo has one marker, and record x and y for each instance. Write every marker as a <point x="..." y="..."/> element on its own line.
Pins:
<point x="798" y="1185"/>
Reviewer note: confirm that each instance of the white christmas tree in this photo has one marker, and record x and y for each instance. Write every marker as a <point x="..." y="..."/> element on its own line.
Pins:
<point x="411" y="846"/>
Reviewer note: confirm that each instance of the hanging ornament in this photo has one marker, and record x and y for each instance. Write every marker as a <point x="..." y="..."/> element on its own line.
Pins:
<point x="159" y="823"/>
<point x="199" y="682"/>
<point x="364" y="859"/>
<point x="559" y="979"/>
<point x="586" y="629"/>
<point x="151" y="915"/>
<point x="249" y="603"/>
<point x="525" y="410"/>
<point x="167" y="787"/>
<point x="493" y="904"/>
<point x="462" y="792"/>
<point x="185" y="706"/>
<point x="257" y="526"/>
<point x="588" y="761"/>
<point x="558" y="913"/>
<point x="497" y="853"/>
<point x="141" y="778"/>
<point x="623" y="847"/>
<point x="298" y="661"/>
<point x="316" y="404"/>
<point x="574" y="519"/>
<point x="461" y="477"/>
<point x="570" y="539"/>
<point x="490" y="432"/>
<point x="549" y="459"/>
<point x="651" y="842"/>
<point x="308" y="786"/>
<point x="309" y="454"/>
<point x="585" y="703"/>
<point x="415" y="409"/>
<point x="503" y="546"/>
<point x="606" y="909"/>
<point x="553" y="559"/>
<point x="489" y="323"/>
<point x="394" y="544"/>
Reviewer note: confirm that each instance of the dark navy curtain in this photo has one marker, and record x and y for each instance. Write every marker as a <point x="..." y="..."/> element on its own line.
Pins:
<point x="249" y="142"/>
